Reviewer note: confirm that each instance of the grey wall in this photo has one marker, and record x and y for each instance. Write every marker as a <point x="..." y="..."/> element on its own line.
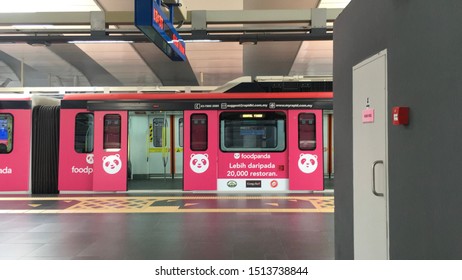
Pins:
<point x="355" y="38"/>
<point x="425" y="158"/>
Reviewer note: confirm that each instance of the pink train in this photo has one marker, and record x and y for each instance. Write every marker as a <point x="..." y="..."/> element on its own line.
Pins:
<point x="256" y="142"/>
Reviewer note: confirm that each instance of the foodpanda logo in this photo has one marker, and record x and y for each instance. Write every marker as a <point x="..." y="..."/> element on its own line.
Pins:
<point x="308" y="163"/>
<point x="199" y="163"/>
<point x="84" y="170"/>
<point x="90" y="158"/>
<point x="237" y="155"/>
<point x="112" y="164"/>
<point x="6" y="170"/>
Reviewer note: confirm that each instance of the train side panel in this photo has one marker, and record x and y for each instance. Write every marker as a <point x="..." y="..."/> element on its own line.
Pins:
<point x="200" y="150"/>
<point x="305" y="130"/>
<point x="76" y="155"/>
<point x="110" y="154"/>
<point x="15" y="153"/>
<point x="249" y="171"/>
<point x="240" y="142"/>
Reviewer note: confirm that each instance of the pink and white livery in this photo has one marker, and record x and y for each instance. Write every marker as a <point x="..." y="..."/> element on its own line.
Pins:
<point x="233" y="142"/>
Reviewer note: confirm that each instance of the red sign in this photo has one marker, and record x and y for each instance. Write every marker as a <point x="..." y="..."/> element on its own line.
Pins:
<point x="177" y="43"/>
<point x="158" y="19"/>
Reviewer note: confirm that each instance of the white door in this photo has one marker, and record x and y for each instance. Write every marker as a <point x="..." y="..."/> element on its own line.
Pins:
<point x="370" y="158"/>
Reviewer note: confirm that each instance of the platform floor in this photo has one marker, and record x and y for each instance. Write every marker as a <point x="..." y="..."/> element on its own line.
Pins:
<point x="167" y="226"/>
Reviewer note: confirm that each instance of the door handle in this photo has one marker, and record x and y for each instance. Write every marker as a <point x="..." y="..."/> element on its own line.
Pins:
<point x="373" y="178"/>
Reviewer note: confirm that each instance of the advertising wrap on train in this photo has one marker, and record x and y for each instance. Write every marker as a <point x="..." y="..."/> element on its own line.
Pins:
<point x="253" y="171"/>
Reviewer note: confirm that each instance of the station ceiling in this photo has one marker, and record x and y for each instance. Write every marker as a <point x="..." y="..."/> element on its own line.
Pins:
<point x="138" y="63"/>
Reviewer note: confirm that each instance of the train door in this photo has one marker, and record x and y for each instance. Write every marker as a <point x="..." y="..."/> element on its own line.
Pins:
<point x="155" y="150"/>
<point x="76" y="150"/>
<point x="110" y="151"/>
<point x="305" y="150"/>
<point x="200" y="150"/>
<point x="15" y="138"/>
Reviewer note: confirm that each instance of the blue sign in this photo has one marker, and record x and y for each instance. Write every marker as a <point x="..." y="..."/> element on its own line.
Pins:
<point x="151" y="20"/>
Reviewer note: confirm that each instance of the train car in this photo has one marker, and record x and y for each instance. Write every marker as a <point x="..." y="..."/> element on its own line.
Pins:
<point x="193" y="141"/>
<point x="28" y="144"/>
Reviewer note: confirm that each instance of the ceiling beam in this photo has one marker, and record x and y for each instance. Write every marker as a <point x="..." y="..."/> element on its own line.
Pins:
<point x="263" y="16"/>
<point x="95" y="73"/>
<point x="42" y="18"/>
<point x="241" y="38"/>
<point x="127" y="17"/>
<point x="306" y="25"/>
<point x="26" y="75"/>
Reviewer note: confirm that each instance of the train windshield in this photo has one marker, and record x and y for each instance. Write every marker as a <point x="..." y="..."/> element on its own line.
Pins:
<point x="252" y="132"/>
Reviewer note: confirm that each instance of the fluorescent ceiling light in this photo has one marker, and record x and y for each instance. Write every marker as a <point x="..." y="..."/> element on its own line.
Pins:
<point x="101" y="42"/>
<point x="48" y="26"/>
<point x="32" y="26"/>
<point x="333" y="4"/>
<point x="202" y="41"/>
<point x="34" y="6"/>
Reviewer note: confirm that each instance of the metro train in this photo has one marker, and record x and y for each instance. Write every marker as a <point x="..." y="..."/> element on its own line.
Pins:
<point x="256" y="142"/>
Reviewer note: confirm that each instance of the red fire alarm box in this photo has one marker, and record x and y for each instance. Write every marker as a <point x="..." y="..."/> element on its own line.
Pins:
<point x="400" y="115"/>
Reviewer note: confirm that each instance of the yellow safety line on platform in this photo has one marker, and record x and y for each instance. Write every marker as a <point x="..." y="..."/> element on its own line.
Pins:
<point x="168" y="210"/>
<point x="166" y="197"/>
<point x="143" y="204"/>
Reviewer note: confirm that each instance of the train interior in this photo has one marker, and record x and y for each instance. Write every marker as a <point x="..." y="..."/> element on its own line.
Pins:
<point x="155" y="150"/>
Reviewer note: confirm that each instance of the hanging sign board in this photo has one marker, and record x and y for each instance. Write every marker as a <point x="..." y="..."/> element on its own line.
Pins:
<point x="151" y="20"/>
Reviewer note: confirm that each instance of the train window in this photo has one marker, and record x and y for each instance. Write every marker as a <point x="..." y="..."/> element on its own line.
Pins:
<point x="112" y="131"/>
<point x="199" y="125"/>
<point x="83" y="134"/>
<point x="252" y="132"/>
<point x="157" y="128"/>
<point x="180" y="131"/>
<point x="6" y="133"/>
<point x="306" y="131"/>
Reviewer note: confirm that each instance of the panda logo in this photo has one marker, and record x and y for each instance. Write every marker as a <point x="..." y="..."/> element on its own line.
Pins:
<point x="90" y="159"/>
<point x="112" y="164"/>
<point x="199" y="163"/>
<point x="308" y="163"/>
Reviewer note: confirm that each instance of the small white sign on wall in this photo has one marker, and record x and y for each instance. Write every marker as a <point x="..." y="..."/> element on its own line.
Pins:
<point x="368" y="115"/>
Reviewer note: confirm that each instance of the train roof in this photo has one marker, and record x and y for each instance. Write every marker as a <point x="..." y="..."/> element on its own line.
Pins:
<point x="198" y="101"/>
<point x="200" y="96"/>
